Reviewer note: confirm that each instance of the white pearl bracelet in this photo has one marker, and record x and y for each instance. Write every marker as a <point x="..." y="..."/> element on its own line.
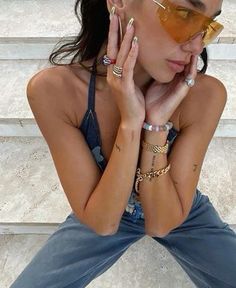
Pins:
<point x="158" y="128"/>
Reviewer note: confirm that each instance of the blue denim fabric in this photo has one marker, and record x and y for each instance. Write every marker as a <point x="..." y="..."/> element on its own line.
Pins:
<point x="74" y="255"/>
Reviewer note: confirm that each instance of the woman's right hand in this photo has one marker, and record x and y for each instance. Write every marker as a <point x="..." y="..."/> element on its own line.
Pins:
<point x="129" y="98"/>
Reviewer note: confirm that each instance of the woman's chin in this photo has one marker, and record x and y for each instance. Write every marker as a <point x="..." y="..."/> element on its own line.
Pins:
<point x="166" y="78"/>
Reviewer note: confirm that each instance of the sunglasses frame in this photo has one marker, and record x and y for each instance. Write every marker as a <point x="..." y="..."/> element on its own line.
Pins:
<point x="203" y="32"/>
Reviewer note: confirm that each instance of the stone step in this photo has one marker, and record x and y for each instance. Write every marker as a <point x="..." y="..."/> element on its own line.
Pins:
<point x="36" y="18"/>
<point x="33" y="200"/>
<point x="41" y="47"/>
<point x="19" y="40"/>
<point x="16" y="117"/>
<point x="46" y="21"/>
<point x="155" y="265"/>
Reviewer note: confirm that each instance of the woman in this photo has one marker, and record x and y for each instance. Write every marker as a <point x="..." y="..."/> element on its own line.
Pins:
<point x="152" y="107"/>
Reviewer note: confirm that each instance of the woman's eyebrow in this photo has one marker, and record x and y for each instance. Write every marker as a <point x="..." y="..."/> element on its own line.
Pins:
<point x="197" y="4"/>
<point x="201" y="6"/>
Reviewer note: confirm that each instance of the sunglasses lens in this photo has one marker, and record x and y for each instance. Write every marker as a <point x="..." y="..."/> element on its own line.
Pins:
<point x="213" y="30"/>
<point x="182" y="24"/>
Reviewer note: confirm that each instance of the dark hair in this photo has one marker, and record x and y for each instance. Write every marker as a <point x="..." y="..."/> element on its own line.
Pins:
<point x="93" y="33"/>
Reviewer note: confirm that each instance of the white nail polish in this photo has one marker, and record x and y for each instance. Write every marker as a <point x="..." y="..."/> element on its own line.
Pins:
<point x="130" y="23"/>
<point x="112" y="12"/>
<point x="135" y="40"/>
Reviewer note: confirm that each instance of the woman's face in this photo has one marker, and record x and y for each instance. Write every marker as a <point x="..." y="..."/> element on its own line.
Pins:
<point x="156" y="46"/>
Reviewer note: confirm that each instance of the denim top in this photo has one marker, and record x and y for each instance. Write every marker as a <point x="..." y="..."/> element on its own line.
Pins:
<point x="90" y="129"/>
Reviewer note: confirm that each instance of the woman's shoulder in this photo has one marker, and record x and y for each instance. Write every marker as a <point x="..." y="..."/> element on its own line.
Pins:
<point x="206" y="81"/>
<point x="60" y="87"/>
<point x="208" y="88"/>
<point x="208" y="91"/>
<point x="57" y="77"/>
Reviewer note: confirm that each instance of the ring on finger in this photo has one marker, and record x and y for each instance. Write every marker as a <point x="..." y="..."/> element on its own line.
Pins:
<point x="107" y="60"/>
<point x="117" y="71"/>
<point x="189" y="81"/>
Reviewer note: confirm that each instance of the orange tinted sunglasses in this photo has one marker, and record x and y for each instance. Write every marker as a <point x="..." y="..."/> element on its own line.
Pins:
<point x="182" y="23"/>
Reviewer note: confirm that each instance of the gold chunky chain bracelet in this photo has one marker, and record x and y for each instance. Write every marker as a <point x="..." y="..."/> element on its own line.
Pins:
<point x="155" y="148"/>
<point x="150" y="175"/>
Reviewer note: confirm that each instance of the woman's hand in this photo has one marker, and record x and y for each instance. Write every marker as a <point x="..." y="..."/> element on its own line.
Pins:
<point x="128" y="96"/>
<point x="162" y="99"/>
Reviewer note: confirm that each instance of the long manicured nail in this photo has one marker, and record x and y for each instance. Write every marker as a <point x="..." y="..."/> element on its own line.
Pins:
<point x="112" y="11"/>
<point x="130" y="23"/>
<point x="135" y="40"/>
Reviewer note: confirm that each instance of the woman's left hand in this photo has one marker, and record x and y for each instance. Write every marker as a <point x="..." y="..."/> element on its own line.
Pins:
<point x="161" y="100"/>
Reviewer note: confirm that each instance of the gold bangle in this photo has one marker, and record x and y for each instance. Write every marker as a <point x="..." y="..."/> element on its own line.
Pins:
<point x="150" y="175"/>
<point x="155" y="148"/>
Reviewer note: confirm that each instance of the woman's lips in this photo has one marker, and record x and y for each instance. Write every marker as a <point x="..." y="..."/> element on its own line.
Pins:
<point x="175" y="66"/>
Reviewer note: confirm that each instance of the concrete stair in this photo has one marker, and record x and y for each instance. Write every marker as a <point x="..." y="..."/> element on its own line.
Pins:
<point x="33" y="203"/>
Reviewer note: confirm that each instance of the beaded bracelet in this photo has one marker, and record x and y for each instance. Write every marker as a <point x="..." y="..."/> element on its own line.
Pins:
<point x="158" y="128"/>
<point x="150" y="175"/>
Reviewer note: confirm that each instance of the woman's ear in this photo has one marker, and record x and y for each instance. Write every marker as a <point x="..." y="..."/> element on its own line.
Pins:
<point x="116" y="3"/>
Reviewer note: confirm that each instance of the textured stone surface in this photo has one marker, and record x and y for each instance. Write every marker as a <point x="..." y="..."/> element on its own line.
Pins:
<point x="56" y="18"/>
<point x="145" y="264"/>
<point x="227" y="18"/>
<point x="13" y="100"/>
<point x="38" y="18"/>
<point x="217" y="179"/>
<point x="224" y="71"/>
<point x="31" y="191"/>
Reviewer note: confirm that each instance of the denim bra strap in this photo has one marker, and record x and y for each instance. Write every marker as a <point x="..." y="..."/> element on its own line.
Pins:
<point x="92" y="83"/>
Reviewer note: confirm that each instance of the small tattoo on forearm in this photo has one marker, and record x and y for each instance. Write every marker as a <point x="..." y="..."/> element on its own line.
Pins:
<point x="117" y="147"/>
<point x="195" y="167"/>
<point x="153" y="160"/>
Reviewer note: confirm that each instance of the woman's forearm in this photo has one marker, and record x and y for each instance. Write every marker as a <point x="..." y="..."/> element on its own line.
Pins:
<point x="161" y="204"/>
<point x="109" y="199"/>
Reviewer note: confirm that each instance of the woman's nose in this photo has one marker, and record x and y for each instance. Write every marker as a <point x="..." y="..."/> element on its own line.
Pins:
<point x="195" y="45"/>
